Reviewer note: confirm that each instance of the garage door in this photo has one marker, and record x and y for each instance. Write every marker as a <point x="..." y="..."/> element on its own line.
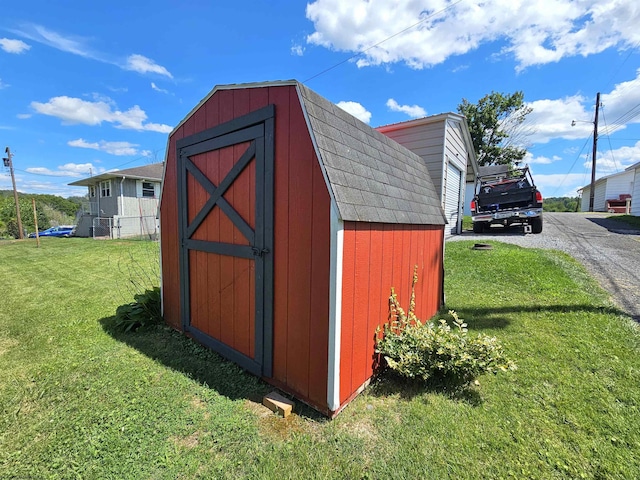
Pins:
<point x="452" y="198"/>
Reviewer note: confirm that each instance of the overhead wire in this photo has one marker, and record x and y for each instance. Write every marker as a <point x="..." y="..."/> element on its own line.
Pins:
<point x="572" y="165"/>
<point x="615" y="163"/>
<point x="361" y="52"/>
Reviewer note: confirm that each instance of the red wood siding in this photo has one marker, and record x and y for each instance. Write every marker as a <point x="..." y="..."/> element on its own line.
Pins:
<point x="222" y="286"/>
<point x="301" y="247"/>
<point x="169" y="237"/>
<point x="377" y="257"/>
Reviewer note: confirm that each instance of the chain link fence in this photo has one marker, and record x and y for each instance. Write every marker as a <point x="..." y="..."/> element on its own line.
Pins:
<point x="145" y="227"/>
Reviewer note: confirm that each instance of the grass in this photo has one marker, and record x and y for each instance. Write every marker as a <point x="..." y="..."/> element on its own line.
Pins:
<point x="630" y="220"/>
<point x="80" y="400"/>
<point x="467" y="223"/>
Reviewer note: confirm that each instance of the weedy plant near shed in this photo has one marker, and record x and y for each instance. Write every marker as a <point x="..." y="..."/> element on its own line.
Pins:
<point x="434" y="351"/>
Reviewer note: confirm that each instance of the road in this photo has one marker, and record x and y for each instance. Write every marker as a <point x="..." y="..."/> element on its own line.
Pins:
<point x="608" y="250"/>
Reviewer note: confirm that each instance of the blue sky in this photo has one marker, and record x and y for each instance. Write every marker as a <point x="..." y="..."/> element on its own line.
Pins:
<point x="87" y="87"/>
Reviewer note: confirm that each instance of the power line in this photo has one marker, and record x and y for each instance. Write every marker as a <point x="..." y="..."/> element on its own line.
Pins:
<point x="615" y="164"/>
<point x="428" y="17"/>
<point x="572" y="165"/>
<point x="623" y="119"/>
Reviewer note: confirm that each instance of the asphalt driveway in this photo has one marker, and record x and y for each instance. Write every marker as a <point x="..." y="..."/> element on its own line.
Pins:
<point x="608" y="249"/>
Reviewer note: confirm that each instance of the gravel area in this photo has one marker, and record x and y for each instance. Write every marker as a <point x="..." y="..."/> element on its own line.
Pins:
<point x="609" y="250"/>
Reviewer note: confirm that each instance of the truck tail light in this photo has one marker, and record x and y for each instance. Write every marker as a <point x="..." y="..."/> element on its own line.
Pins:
<point x="473" y="205"/>
<point x="538" y="196"/>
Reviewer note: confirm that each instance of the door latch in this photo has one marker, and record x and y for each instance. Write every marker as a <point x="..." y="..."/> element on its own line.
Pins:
<point x="257" y="252"/>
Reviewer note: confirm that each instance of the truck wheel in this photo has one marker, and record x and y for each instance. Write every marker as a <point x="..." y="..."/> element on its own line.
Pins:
<point x="536" y="225"/>
<point x="478" y="227"/>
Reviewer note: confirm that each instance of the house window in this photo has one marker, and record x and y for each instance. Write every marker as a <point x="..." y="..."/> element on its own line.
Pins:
<point x="146" y="189"/>
<point x="92" y="191"/>
<point x="105" y="188"/>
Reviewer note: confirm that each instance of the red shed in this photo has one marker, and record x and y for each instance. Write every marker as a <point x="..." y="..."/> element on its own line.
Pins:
<point x="284" y="223"/>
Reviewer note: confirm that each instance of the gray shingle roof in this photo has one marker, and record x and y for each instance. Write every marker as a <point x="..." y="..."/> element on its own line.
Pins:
<point x="151" y="172"/>
<point x="373" y="178"/>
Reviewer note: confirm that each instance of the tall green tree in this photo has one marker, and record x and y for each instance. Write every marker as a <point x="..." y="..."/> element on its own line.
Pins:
<point x="497" y="127"/>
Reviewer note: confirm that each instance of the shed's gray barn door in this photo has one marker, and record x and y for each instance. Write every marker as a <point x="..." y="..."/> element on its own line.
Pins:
<point x="225" y="210"/>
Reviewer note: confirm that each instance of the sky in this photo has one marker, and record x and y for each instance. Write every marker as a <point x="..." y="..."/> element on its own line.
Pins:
<point x="87" y="87"/>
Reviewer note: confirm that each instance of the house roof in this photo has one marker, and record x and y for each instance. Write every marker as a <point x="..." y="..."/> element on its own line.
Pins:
<point x="152" y="172"/>
<point x="634" y="166"/>
<point x="472" y="160"/>
<point x="370" y="177"/>
<point x="607" y="177"/>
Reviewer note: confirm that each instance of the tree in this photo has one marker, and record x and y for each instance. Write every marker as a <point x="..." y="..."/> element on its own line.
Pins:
<point x="497" y="127"/>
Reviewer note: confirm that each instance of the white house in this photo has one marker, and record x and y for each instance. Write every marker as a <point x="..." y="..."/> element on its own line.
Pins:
<point x="635" y="192"/>
<point x="444" y="143"/>
<point x="608" y="188"/>
<point x="122" y="203"/>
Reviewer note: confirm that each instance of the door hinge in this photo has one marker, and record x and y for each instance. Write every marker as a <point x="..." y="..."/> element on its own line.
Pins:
<point x="259" y="252"/>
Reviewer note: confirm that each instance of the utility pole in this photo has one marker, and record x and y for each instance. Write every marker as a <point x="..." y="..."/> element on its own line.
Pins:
<point x="595" y="148"/>
<point x="9" y="163"/>
<point x="35" y="220"/>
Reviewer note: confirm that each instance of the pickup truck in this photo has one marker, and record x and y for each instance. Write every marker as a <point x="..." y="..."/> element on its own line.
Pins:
<point x="506" y="196"/>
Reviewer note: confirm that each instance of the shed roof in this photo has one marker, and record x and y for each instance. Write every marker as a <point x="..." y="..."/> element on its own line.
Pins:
<point x="371" y="177"/>
<point x="151" y="172"/>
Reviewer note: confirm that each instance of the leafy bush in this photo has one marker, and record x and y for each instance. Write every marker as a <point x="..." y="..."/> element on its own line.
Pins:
<point x="435" y="351"/>
<point x="143" y="312"/>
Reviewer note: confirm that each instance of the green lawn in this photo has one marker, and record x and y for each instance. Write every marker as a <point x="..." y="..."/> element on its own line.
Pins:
<point x="78" y="400"/>
<point x="632" y="221"/>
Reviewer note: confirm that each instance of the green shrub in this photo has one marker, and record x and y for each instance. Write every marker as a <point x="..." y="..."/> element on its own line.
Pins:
<point x="145" y="310"/>
<point x="435" y="351"/>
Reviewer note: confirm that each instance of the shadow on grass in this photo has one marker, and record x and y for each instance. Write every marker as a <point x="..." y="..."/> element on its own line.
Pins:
<point x="388" y="384"/>
<point x="180" y="353"/>
<point x="480" y="318"/>
<point x="616" y="226"/>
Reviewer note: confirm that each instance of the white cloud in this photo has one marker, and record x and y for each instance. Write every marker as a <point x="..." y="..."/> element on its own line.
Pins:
<point x="357" y="110"/>
<point x="68" y="170"/>
<point x="112" y="148"/>
<point x="3" y="85"/>
<point x="118" y="89"/>
<point x="541" y="160"/>
<point x="23" y="116"/>
<point x="158" y="89"/>
<point x="66" y="43"/>
<point x="13" y="46"/>
<point x="535" y="33"/>
<point x="414" y="111"/>
<point x="80" y="46"/>
<point x="297" y="50"/>
<point x="614" y="161"/>
<point x="553" y="118"/>
<point x="77" y="111"/>
<point x="142" y="64"/>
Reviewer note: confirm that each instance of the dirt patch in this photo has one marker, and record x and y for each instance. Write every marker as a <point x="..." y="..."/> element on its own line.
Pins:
<point x="6" y="344"/>
<point x="188" y="442"/>
<point x="274" y="427"/>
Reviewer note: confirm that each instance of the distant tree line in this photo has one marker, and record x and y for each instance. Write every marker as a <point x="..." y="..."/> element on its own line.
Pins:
<point x="561" y="204"/>
<point x="52" y="210"/>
